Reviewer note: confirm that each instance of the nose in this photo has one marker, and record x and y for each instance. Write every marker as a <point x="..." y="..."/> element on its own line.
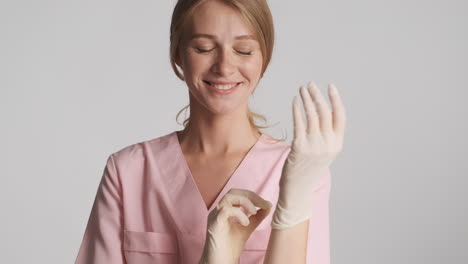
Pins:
<point x="224" y="63"/>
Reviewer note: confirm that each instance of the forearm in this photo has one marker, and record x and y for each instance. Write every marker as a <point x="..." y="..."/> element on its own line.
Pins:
<point x="288" y="245"/>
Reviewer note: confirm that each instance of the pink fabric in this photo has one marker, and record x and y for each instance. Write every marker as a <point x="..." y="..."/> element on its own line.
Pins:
<point x="148" y="209"/>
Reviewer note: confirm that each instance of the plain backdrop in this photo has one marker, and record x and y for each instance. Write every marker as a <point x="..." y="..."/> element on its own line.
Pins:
<point x="82" y="79"/>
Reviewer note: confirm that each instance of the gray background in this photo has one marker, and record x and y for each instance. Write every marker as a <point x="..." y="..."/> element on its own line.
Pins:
<point x="82" y="79"/>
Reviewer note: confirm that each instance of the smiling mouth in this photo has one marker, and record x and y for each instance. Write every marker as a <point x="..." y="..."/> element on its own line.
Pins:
<point x="223" y="89"/>
<point x="233" y="83"/>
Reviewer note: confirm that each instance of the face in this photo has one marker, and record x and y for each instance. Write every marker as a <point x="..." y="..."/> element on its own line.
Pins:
<point x="219" y="56"/>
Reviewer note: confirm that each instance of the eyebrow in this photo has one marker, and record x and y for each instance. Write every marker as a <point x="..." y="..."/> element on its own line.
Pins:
<point x="202" y="35"/>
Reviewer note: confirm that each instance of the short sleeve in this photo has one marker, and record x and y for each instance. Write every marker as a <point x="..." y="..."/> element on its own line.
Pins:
<point x="103" y="238"/>
<point x="318" y="245"/>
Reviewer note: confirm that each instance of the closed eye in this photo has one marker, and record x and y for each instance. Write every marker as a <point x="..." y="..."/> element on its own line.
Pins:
<point x="202" y="50"/>
<point x="245" y="53"/>
<point x="205" y="51"/>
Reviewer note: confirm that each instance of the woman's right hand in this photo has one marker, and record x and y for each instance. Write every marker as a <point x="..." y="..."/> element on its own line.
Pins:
<point x="231" y="223"/>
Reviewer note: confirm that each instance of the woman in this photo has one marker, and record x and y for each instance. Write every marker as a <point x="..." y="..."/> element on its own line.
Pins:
<point x="191" y="196"/>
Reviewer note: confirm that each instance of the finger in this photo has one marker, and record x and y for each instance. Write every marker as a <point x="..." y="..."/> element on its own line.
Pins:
<point x="313" y="125"/>
<point x="323" y="110"/>
<point x="256" y="219"/>
<point x="227" y="212"/>
<point x="233" y="199"/>
<point x="299" y="127"/>
<point x="253" y="197"/>
<point x="339" y="112"/>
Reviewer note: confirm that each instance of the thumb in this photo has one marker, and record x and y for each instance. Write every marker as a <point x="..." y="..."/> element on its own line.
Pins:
<point x="257" y="218"/>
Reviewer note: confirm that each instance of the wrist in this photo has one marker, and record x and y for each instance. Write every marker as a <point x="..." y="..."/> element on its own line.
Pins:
<point x="213" y="259"/>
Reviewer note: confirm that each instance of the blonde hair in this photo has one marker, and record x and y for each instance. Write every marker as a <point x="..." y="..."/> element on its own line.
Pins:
<point x="255" y="12"/>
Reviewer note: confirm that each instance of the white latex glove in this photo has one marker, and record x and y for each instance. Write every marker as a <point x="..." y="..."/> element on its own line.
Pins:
<point x="229" y="226"/>
<point x="313" y="149"/>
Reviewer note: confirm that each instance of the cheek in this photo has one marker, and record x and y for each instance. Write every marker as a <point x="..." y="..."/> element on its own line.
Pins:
<point x="192" y="61"/>
<point x="253" y="67"/>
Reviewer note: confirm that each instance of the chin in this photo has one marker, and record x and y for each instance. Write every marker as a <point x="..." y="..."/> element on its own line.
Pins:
<point x="223" y="109"/>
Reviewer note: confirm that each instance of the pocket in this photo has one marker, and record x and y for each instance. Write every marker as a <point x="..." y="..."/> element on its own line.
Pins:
<point x="150" y="247"/>
<point x="255" y="247"/>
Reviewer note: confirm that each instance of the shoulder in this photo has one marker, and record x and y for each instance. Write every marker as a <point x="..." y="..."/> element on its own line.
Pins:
<point x="140" y="151"/>
<point x="272" y="145"/>
<point x="272" y="149"/>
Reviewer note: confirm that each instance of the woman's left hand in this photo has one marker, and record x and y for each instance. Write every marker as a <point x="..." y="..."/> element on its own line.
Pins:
<point x="316" y="143"/>
<point x="229" y="226"/>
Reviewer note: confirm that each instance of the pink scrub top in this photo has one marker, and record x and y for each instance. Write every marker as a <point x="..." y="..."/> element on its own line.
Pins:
<point x="148" y="208"/>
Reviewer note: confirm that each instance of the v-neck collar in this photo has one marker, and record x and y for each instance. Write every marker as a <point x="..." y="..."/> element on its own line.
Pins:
<point x="230" y="181"/>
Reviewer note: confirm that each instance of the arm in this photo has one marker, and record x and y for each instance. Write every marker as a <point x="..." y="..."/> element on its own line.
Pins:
<point x="288" y="245"/>
<point x="102" y="240"/>
<point x="315" y="145"/>
<point x="308" y="240"/>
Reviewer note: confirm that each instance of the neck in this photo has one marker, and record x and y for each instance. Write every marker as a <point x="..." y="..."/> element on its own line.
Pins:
<point x="211" y="134"/>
